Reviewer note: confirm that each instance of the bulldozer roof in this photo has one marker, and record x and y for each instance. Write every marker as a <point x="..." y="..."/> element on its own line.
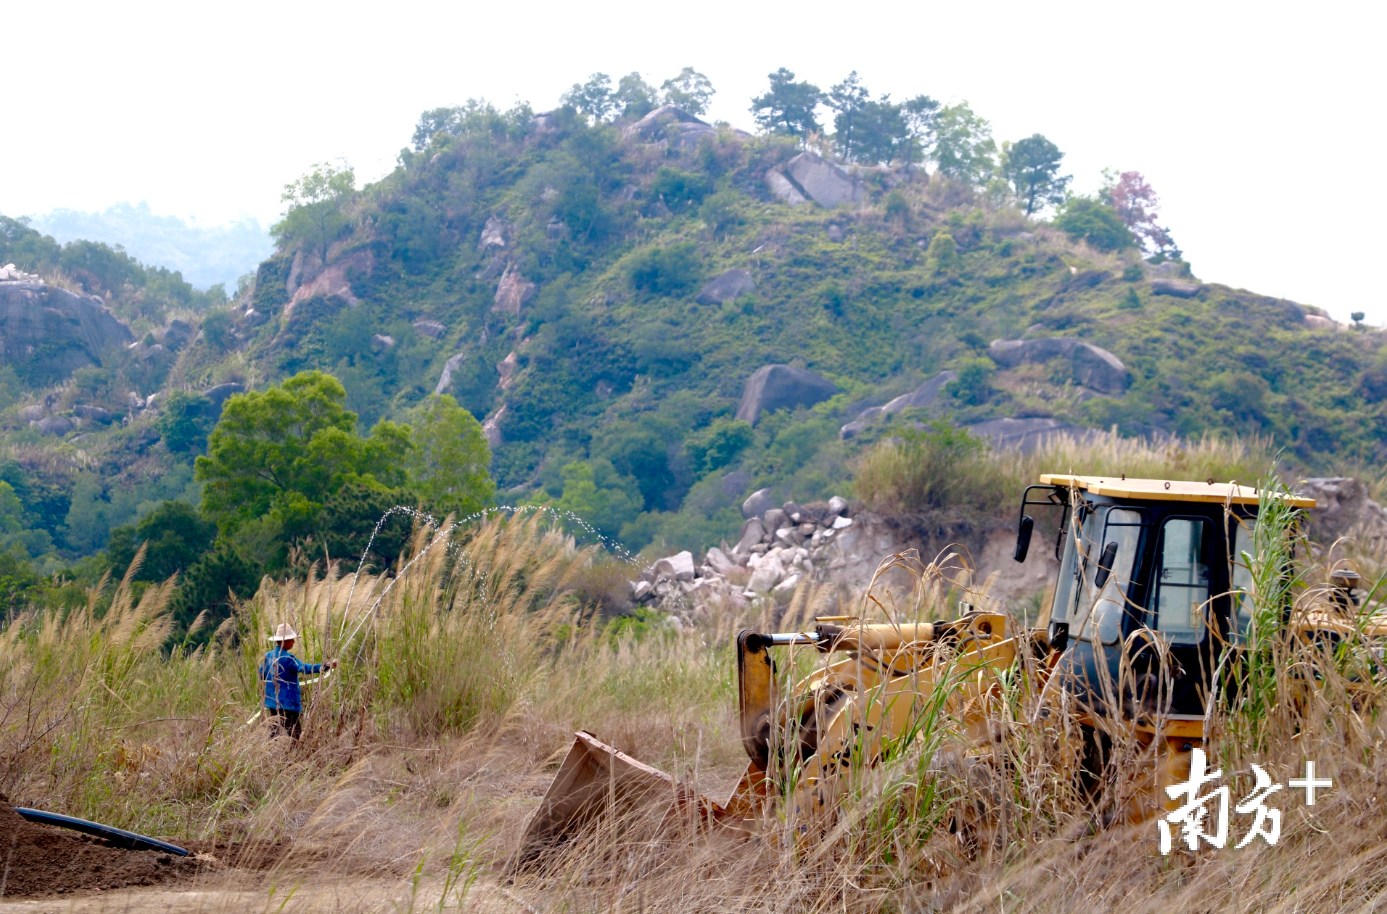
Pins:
<point x="1167" y="489"/>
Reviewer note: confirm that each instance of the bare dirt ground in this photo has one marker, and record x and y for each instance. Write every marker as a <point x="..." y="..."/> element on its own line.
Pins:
<point x="381" y="843"/>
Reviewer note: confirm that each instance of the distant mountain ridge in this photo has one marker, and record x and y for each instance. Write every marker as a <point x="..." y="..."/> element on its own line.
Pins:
<point x="204" y="254"/>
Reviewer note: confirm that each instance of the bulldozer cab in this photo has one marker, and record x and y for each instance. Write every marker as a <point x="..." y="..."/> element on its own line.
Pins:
<point x="1152" y="586"/>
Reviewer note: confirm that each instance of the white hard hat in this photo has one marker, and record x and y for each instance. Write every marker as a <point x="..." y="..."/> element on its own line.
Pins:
<point x="284" y="632"/>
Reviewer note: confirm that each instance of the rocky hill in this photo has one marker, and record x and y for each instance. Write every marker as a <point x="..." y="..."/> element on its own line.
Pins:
<point x="656" y="318"/>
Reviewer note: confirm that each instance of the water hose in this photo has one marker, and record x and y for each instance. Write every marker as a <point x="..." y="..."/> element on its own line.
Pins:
<point x="117" y="836"/>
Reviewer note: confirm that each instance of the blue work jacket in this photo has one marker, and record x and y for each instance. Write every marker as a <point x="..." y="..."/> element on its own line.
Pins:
<point x="280" y="672"/>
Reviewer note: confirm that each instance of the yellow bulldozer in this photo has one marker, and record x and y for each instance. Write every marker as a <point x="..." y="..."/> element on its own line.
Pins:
<point x="1153" y="590"/>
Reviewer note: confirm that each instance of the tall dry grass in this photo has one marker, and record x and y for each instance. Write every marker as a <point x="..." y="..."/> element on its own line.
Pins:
<point x="941" y="469"/>
<point x="465" y="671"/>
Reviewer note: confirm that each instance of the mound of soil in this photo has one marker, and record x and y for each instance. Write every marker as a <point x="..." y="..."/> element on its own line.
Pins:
<point x="43" y="860"/>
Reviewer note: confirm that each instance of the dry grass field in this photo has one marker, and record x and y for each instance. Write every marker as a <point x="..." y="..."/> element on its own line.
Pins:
<point x="464" y="674"/>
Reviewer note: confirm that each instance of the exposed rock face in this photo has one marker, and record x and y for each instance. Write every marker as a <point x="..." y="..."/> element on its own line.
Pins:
<point x="58" y="330"/>
<point x="1178" y="288"/>
<point x="431" y="329"/>
<point x="491" y="428"/>
<point x="774" y="387"/>
<point x="822" y="181"/>
<point x="784" y="190"/>
<point x="382" y="342"/>
<point x="1025" y="435"/>
<point x="921" y="396"/>
<point x="493" y="234"/>
<point x="726" y="288"/>
<point x="10" y="273"/>
<point x="1092" y="366"/>
<point x="1320" y="322"/>
<point x="334" y="280"/>
<point x="445" y="380"/>
<point x="1344" y="509"/>
<point x="506" y="369"/>
<point x="178" y="334"/>
<point x="676" y="125"/>
<point x="219" y="394"/>
<point x="513" y="292"/>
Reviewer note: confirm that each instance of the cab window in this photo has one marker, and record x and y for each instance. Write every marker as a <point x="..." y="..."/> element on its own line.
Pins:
<point x="1182" y="580"/>
<point x="1100" y="610"/>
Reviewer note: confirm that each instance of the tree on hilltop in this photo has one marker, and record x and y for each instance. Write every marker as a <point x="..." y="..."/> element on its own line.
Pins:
<point x="789" y="107"/>
<point x="1137" y="204"/>
<point x="690" y="91"/>
<point x="433" y="122"/>
<point x="316" y="216"/>
<point x="963" y="145"/>
<point x="592" y="99"/>
<point x="1031" y="166"/>
<point x="847" y="100"/>
<point x="635" y="97"/>
<point x="919" y="114"/>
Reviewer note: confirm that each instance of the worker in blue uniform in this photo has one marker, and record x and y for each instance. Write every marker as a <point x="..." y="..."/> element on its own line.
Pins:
<point x="279" y="671"/>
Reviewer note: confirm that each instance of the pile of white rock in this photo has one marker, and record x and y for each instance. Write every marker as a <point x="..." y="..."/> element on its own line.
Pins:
<point x="776" y="551"/>
<point x="10" y="273"/>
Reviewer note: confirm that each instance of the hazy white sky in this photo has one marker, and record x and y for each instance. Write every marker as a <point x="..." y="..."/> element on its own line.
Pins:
<point x="1258" y="124"/>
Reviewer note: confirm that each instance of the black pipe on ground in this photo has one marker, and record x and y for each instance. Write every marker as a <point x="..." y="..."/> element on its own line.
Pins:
<point x="117" y="836"/>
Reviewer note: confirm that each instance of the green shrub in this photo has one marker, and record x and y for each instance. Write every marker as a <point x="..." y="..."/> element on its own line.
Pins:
<point x="942" y="256"/>
<point x="680" y="190"/>
<point x="665" y="271"/>
<point x="922" y="471"/>
<point x="721" y="213"/>
<point x="719" y="444"/>
<point x="1089" y="219"/>
<point x="973" y="386"/>
<point x="896" y="206"/>
<point x="175" y="537"/>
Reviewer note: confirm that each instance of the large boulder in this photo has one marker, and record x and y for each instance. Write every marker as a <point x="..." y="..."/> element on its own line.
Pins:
<point x="55" y="330"/>
<point x="822" y="181"/>
<point x="677" y="567"/>
<point x="219" y="394"/>
<point x="753" y="532"/>
<point x="920" y="397"/>
<point x="758" y="503"/>
<point x="493" y="234"/>
<point x="1176" y="287"/>
<point x="54" y="425"/>
<point x="784" y="190"/>
<point x="726" y="288"/>
<point x="774" y="387"/>
<point x="429" y="328"/>
<point x="675" y="125"/>
<point x="88" y="413"/>
<point x="1091" y="366"/>
<point x="1026" y="435"/>
<point x="1344" y="509"/>
<point x="513" y="292"/>
<point x="1099" y="369"/>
